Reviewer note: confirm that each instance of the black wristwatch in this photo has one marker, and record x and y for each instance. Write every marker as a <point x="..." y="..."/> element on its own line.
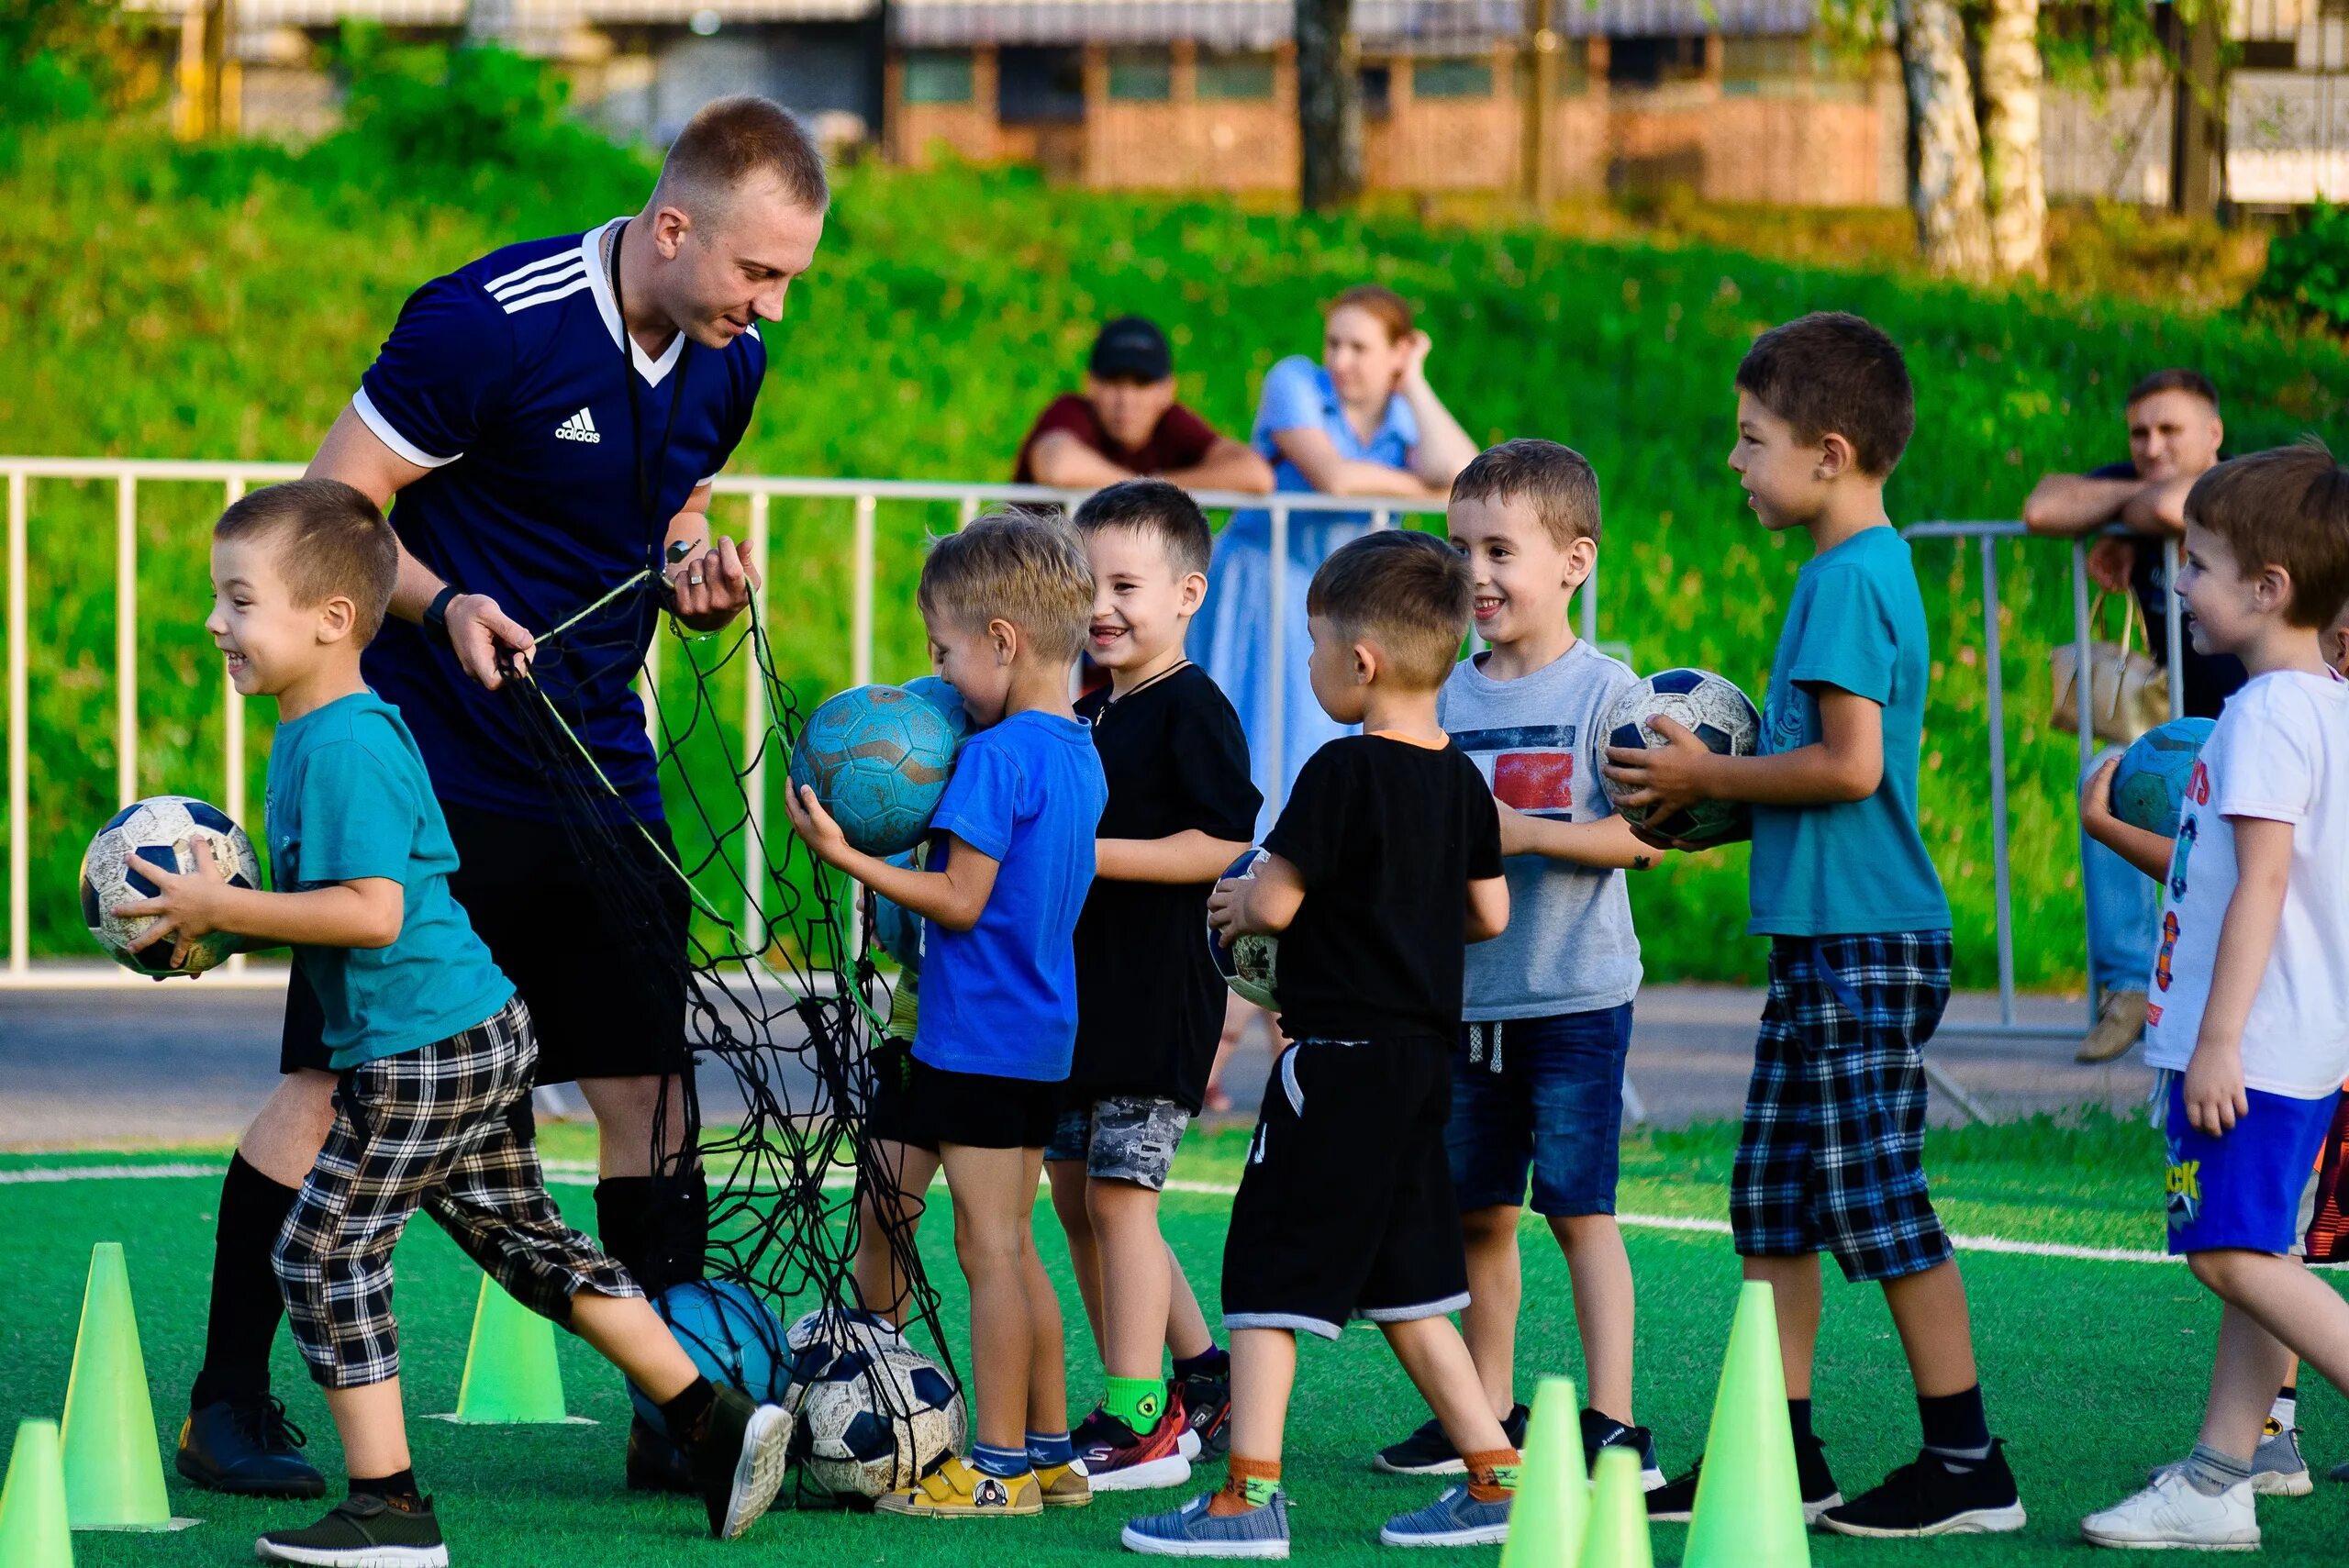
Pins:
<point x="435" y="619"/>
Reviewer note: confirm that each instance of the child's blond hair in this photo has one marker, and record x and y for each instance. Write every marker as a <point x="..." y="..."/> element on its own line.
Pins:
<point x="1025" y="567"/>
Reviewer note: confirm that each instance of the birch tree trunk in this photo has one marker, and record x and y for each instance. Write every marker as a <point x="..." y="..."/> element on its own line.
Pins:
<point x="2012" y="168"/>
<point x="1944" y="143"/>
<point x="1328" y="106"/>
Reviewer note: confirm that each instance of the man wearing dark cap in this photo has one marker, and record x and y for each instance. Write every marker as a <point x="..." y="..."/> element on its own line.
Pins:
<point x="1128" y="424"/>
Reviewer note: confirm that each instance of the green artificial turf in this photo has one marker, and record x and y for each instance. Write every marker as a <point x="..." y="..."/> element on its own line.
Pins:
<point x="2094" y="1369"/>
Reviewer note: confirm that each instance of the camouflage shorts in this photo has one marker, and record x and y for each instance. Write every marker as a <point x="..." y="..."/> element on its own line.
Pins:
<point x="1121" y="1138"/>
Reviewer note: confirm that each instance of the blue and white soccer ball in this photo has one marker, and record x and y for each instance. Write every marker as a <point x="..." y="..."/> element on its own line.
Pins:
<point x="877" y="1423"/>
<point x="879" y="758"/>
<point x="1718" y="714"/>
<point x="162" y="830"/>
<point x="2149" y="787"/>
<point x="1247" y="965"/>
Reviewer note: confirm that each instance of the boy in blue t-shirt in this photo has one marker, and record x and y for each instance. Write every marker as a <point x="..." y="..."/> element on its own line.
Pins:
<point x="1007" y="602"/>
<point x="434" y="1048"/>
<point x="1832" y="1151"/>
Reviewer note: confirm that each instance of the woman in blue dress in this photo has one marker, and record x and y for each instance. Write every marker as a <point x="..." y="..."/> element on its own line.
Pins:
<point x="1363" y="422"/>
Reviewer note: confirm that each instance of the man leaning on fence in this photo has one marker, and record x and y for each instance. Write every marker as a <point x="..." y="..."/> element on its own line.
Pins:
<point x="2174" y="433"/>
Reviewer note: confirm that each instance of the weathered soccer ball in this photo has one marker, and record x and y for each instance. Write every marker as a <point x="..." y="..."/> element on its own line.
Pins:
<point x="1247" y="964"/>
<point x="2149" y="787"/>
<point x="1718" y="714"/>
<point x="161" y="829"/>
<point x="940" y="693"/>
<point x="877" y="1424"/>
<point x="879" y="758"/>
<point x="731" y="1336"/>
<point x="823" y="1339"/>
<point x="897" y="928"/>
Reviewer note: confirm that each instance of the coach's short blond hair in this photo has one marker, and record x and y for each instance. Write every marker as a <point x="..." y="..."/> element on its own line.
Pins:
<point x="1025" y="567"/>
<point x="1408" y="593"/>
<point x="732" y="139"/>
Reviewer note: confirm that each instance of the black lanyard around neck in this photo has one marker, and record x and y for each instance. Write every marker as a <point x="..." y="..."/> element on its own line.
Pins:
<point x="647" y="484"/>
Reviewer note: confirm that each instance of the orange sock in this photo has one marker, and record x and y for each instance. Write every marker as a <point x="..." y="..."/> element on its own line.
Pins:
<point x="1492" y="1474"/>
<point x="1251" y="1484"/>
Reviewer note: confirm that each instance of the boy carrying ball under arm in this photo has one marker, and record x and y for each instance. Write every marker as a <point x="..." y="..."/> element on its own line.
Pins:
<point x="434" y="1048"/>
<point x="1386" y="854"/>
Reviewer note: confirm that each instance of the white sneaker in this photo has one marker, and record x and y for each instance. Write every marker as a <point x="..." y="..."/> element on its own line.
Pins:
<point x="2170" y="1514"/>
<point x="2277" y="1470"/>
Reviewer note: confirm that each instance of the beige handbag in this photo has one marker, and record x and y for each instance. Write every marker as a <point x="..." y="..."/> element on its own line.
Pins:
<point x="2127" y="691"/>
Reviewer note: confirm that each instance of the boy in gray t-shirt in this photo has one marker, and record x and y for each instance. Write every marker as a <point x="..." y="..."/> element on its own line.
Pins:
<point x="1537" y="1080"/>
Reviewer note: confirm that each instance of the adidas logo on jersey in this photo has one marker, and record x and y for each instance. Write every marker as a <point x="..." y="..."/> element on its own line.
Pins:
<point x="580" y="427"/>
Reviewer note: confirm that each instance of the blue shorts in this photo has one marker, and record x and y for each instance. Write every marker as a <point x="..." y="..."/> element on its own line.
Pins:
<point x="1543" y="1097"/>
<point x="2252" y="1189"/>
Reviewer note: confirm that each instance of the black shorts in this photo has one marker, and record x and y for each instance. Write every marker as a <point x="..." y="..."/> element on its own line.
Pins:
<point x="604" y="977"/>
<point x="1345" y="1205"/>
<point x="887" y="1117"/>
<point x="977" y="1110"/>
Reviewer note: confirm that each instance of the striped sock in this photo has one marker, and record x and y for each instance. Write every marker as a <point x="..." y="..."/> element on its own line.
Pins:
<point x="1003" y="1463"/>
<point x="1050" y="1448"/>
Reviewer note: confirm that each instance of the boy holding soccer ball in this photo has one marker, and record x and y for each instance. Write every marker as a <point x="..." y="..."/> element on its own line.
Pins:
<point x="1537" y="1076"/>
<point x="1007" y="603"/>
<point x="435" y="1049"/>
<point x="1832" y="1153"/>
<point x="1386" y="853"/>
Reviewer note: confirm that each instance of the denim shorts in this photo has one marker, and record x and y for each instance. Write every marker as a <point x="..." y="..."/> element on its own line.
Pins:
<point x="1542" y="1097"/>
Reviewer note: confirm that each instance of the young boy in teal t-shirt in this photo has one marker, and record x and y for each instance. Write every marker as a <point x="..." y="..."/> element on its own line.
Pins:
<point x="435" y="1049"/>
<point x="1832" y="1151"/>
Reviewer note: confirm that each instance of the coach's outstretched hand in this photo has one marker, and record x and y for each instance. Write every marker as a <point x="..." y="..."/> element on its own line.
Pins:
<point x="487" y="641"/>
<point x="711" y="587"/>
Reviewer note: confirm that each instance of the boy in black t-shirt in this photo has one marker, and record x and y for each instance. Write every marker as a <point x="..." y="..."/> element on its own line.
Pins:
<point x="1385" y="855"/>
<point x="1148" y="1002"/>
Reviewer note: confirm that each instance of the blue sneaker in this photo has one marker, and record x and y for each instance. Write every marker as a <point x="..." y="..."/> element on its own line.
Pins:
<point x="1191" y="1531"/>
<point x="1455" y="1518"/>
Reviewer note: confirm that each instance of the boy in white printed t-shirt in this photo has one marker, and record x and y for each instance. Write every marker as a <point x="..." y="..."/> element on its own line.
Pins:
<point x="2249" y="1024"/>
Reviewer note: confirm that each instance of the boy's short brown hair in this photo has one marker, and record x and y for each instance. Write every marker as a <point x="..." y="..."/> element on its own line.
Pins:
<point x="1026" y="567"/>
<point x="1408" y="592"/>
<point x="2287" y="507"/>
<point x="327" y="539"/>
<point x="1831" y="373"/>
<point x="1556" y="482"/>
<point x="1153" y="507"/>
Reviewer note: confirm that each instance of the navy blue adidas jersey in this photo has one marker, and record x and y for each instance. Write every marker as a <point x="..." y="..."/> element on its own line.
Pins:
<point x="505" y="379"/>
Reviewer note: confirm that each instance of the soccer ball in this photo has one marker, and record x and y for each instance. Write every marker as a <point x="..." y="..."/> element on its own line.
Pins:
<point x="897" y="928"/>
<point x="940" y="693"/>
<point x="1247" y="965"/>
<point x="731" y="1336"/>
<point x="161" y="829"/>
<point x="830" y="1336"/>
<point x="874" y="1425"/>
<point x="879" y="758"/>
<point x="2149" y="789"/>
<point x="1720" y="715"/>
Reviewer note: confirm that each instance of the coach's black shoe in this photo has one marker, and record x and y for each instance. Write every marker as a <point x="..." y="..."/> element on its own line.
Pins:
<point x="1428" y="1452"/>
<point x="247" y="1447"/>
<point x="363" y="1531"/>
<point x="1929" y="1497"/>
<point x="739" y="1460"/>
<point x="1673" y="1502"/>
<point x="656" y="1465"/>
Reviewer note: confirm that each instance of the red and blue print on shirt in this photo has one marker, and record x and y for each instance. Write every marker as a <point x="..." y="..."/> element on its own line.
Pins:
<point x="1532" y="765"/>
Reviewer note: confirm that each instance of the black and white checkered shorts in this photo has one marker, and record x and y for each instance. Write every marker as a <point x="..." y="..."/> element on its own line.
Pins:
<point x="1833" y="1145"/>
<point x="446" y="1129"/>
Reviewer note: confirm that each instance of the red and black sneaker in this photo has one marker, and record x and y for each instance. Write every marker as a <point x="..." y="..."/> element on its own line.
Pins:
<point x="1119" y="1461"/>
<point x="1206" y="1405"/>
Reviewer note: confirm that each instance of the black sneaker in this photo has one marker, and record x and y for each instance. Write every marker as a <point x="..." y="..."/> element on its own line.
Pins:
<point x="363" y="1531"/>
<point x="1206" y="1404"/>
<point x="737" y="1464"/>
<point x="247" y="1447"/>
<point x="1600" y="1431"/>
<point x="656" y="1465"/>
<point x="1675" y="1501"/>
<point x="1926" y="1497"/>
<point x="1428" y="1452"/>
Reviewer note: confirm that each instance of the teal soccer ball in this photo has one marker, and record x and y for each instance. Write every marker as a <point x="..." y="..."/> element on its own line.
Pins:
<point x="879" y="758"/>
<point x="937" y="691"/>
<point x="2149" y="790"/>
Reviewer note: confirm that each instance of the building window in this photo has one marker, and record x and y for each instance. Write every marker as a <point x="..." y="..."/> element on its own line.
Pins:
<point x="1573" y="68"/>
<point x="938" y="76"/>
<point x="1142" y="74"/>
<point x="1235" y="77"/>
<point x="2270" y="54"/>
<point x="1377" y="92"/>
<point x="1040" y="86"/>
<point x="1454" y="78"/>
<point x="1654" y="60"/>
<point x="1763" y="67"/>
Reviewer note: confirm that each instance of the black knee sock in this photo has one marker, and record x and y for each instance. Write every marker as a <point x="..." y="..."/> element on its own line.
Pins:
<point x="397" y="1489"/>
<point x="246" y="1303"/>
<point x="658" y="1229"/>
<point x="1799" y="1417"/>
<point x="687" y="1416"/>
<point x="1956" y="1428"/>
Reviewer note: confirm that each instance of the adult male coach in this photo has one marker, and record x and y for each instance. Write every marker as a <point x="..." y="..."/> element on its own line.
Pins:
<point x="549" y="417"/>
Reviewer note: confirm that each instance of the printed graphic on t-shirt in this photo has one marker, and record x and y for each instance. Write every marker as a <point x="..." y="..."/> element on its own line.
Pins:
<point x="1532" y="765"/>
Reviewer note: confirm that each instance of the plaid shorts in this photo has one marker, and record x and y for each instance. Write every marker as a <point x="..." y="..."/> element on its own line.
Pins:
<point x="446" y="1129"/>
<point x="1833" y="1145"/>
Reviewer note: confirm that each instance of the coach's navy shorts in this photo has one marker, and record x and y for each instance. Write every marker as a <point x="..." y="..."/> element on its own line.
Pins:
<point x="1833" y="1151"/>
<point x="1541" y="1097"/>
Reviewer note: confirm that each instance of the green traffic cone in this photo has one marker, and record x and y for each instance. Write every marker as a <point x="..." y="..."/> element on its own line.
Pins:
<point x="33" y="1531"/>
<point x="1749" y="1503"/>
<point x="1617" y="1536"/>
<point x="511" y="1375"/>
<point x="114" y="1469"/>
<point x="1553" y="1502"/>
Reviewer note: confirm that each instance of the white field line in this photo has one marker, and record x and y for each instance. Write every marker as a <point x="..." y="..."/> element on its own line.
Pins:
<point x="573" y="1172"/>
